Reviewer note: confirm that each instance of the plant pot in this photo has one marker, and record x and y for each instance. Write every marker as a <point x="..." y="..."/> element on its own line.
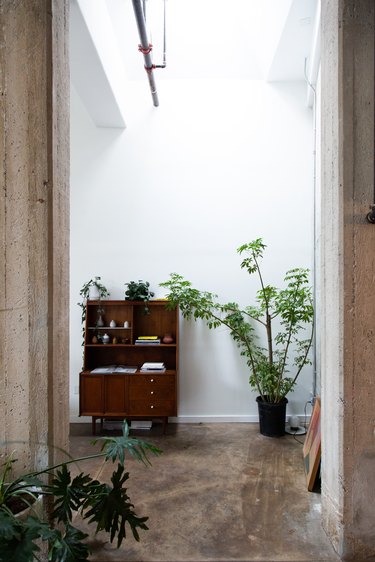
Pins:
<point x="22" y="511"/>
<point x="272" y="417"/>
<point x="94" y="293"/>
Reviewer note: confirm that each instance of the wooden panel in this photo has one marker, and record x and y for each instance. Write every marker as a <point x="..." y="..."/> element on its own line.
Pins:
<point x="152" y="395"/>
<point x="150" y="407"/>
<point x="115" y="394"/>
<point x="91" y="395"/>
<point x="152" y="385"/>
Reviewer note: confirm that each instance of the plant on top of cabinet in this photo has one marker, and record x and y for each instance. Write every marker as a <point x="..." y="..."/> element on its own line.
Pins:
<point x="139" y="291"/>
<point x="290" y="308"/>
<point x="92" y="290"/>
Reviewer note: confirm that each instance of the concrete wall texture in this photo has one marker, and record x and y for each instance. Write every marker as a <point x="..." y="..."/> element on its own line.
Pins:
<point x="348" y="265"/>
<point x="34" y="213"/>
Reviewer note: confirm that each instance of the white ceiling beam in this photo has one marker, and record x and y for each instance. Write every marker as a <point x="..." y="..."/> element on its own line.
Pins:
<point x="96" y="68"/>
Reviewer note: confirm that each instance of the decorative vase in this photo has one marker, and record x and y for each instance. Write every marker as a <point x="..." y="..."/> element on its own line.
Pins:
<point x="100" y="321"/>
<point x="94" y="294"/>
<point x="105" y="338"/>
<point x="167" y="338"/>
<point x="112" y="324"/>
<point x="272" y="417"/>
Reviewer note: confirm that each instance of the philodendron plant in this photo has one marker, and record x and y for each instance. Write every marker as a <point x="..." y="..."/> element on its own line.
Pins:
<point x="285" y="315"/>
<point x="106" y="505"/>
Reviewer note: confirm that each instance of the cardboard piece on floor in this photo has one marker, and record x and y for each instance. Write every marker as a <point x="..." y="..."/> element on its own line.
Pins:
<point x="140" y="424"/>
<point x="312" y="447"/>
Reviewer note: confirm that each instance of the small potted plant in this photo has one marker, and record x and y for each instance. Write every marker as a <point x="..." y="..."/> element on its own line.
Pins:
<point x="139" y="291"/>
<point x="107" y="506"/>
<point x="92" y="290"/>
<point x="290" y="310"/>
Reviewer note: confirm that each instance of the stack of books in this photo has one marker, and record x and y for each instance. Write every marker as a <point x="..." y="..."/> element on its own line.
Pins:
<point x="153" y="368"/>
<point x="147" y="340"/>
<point x="115" y="369"/>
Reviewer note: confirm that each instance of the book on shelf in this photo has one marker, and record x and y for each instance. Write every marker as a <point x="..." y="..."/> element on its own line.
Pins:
<point x="115" y="369"/>
<point x="146" y="338"/>
<point x="148" y="367"/>
<point x="147" y="342"/>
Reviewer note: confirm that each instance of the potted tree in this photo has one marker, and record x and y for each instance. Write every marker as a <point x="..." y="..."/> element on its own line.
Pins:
<point x="286" y="317"/>
<point x="107" y="506"/>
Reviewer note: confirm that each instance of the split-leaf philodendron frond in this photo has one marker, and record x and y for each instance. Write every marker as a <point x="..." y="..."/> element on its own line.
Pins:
<point x="291" y="308"/>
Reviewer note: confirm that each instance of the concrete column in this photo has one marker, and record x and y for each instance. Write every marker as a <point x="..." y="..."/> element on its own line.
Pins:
<point x="348" y="274"/>
<point x="34" y="228"/>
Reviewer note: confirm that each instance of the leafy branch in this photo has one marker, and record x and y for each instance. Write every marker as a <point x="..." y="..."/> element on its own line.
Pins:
<point x="293" y="305"/>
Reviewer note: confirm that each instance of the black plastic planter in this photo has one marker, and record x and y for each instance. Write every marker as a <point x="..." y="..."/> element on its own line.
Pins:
<point x="272" y="417"/>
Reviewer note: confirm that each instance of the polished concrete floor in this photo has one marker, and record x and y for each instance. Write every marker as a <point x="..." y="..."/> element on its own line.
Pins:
<point x="219" y="492"/>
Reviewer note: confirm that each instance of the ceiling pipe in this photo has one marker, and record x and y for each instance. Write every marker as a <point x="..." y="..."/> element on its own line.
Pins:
<point x="145" y="47"/>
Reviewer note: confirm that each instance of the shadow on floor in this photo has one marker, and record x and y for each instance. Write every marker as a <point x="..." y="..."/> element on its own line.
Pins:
<point x="219" y="492"/>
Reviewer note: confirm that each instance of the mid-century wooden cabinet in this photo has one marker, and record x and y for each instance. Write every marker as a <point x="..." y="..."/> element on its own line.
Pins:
<point x="114" y="394"/>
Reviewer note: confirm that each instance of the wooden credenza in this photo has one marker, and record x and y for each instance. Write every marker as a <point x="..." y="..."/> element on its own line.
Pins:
<point x="122" y="395"/>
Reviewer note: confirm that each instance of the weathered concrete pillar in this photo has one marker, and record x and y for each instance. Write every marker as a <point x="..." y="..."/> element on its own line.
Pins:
<point x="348" y="275"/>
<point x="34" y="226"/>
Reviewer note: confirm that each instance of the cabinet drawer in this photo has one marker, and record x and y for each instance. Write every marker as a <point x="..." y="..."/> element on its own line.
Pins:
<point x="152" y="385"/>
<point x="150" y="407"/>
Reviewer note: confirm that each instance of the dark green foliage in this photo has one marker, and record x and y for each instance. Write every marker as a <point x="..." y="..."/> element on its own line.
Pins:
<point x="111" y="509"/>
<point x="139" y="291"/>
<point x="292" y="306"/>
<point x="108" y="506"/>
<point x="115" y="447"/>
<point x="84" y="292"/>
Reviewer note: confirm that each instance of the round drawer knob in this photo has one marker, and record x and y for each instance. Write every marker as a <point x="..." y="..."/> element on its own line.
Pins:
<point x="151" y="407"/>
<point x="152" y="392"/>
<point x="151" y="380"/>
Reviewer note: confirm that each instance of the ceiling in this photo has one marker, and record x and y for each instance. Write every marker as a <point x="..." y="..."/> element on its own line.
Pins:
<point x="206" y="40"/>
<point x="219" y="39"/>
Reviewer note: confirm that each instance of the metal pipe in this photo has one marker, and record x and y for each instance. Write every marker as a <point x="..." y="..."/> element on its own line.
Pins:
<point x="145" y="48"/>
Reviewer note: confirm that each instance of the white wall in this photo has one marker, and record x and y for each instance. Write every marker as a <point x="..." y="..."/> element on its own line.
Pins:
<point x="217" y="164"/>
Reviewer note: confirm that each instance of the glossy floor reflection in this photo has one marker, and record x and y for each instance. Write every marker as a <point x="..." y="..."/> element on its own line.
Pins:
<point x="219" y="492"/>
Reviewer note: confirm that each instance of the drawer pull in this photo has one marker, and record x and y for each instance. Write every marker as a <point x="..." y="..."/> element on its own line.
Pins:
<point x="152" y="392"/>
<point x="151" y="380"/>
<point x="151" y="407"/>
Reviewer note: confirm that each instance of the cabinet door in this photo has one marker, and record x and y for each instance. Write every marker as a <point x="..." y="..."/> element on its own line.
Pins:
<point x="152" y="395"/>
<point x="115" y="394"/>
<point x="91" y="395"/>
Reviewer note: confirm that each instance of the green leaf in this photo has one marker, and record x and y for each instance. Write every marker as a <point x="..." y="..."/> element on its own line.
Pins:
<point x="17" y="537"/>
<point x="113" y="509"/>
<point x="115" y="447"/>
<point x="67" y="546"/>
<point x="69" y="495"/>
